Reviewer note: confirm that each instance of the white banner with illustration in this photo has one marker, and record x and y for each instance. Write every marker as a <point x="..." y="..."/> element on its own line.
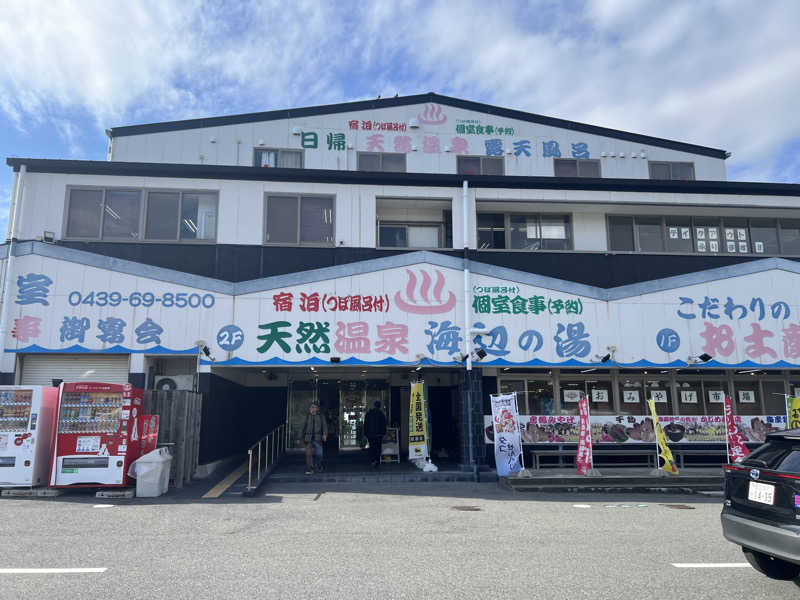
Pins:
<point x="506" y="433"/>
<point x="403" y="315"/>
<point x="634" y="429"/>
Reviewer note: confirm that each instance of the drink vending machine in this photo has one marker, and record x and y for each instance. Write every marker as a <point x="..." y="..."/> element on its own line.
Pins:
<point x="99" y="434"/>
<point x="27" y="416"/>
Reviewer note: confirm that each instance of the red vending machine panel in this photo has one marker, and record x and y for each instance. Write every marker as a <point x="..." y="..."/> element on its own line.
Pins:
<point x="98" y="436"/>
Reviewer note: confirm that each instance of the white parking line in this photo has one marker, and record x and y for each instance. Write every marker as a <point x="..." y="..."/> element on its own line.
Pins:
<point x="581" y="506"/>
<point x="41" y="571"/>
<point x="711" y="565"/>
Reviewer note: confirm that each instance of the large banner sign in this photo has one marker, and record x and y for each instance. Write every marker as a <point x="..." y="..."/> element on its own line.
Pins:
<point x="665" y="460"/>
<point x="418" y="423"/>
<point x="583" y="459"/>
<point x="505" y="423"/>
<point x="638" y="429"/>
<point x="401" y="315"/>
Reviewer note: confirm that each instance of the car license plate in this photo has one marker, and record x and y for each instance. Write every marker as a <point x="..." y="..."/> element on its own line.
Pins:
<point x="763" y="493"/>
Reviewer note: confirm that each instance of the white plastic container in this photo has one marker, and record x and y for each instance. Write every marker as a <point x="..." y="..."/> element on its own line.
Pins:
<point x="152" y="473"/>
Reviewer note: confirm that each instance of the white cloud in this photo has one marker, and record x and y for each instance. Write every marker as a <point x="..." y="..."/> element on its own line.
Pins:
<point x="720" y="74"/>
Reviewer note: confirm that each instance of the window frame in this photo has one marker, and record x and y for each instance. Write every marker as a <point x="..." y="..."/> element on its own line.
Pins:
<point x="143" y="205"/>
<point x="482" y="158"/>
<point x="670" y="164"/>
<point x="507" y="229"/>
<point x="578" y="162"/>
<point x="258" y="149"/>
<point x="297" y="243"/>
<point x="380" y="156"/>
<point x="438" y="224"/>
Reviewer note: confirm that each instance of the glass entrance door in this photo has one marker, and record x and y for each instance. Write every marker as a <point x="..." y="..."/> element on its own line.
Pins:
<point x="352" y="408"/>
<point x="355" y="399"/>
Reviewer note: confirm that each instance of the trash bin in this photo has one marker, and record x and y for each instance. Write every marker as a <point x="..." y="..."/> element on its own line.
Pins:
<point x="152" y="473"/>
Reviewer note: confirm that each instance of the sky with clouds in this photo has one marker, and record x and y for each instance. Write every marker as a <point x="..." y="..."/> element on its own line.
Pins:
<point x="716" y="73"/>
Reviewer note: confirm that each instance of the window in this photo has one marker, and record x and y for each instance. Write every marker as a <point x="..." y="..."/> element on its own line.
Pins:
<point x="683" y="171"/>
<point x="704" y="235"/>
<point x="620" y="234"/>
<point x="278" y="157"/>
<point x="479" y="165"/>
<point x="409" y="235"/>
<point x="299" y="220"/>
<point x="650" y="233"/>
<point x="523" y="231"/>
<point x="576" y="167"/>
<point x="790" y="237"/>
<point x="491" y="230"/>
<point x="84" y="213"/>
<point x="764" y="236"/>
<point x="382" y="161"/>
<point x="123" y="215"/>
<point x="180" y="215"/>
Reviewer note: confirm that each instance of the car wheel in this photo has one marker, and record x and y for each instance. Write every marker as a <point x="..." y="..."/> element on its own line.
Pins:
<point x="771" y="567"/>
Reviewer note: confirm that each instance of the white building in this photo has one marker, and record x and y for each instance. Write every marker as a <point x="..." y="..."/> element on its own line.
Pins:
<point x="338" y="252"/>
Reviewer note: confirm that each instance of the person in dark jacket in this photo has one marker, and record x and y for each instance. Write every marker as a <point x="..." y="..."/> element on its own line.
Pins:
<point x="315" y="432"/>
<point x="374" y="430"/>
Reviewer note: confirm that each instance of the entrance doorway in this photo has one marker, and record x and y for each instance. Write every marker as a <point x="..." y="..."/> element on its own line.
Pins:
<point x="344" y="403"/>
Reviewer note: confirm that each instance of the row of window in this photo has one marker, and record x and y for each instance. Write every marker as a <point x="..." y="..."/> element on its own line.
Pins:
<point x="704" y="235"/>
<point x="393" y="162"/>
<point x="172" y="215"/>
<point x="129" y="214"/>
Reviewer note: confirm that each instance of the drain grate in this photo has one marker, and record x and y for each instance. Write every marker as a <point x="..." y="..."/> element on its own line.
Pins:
<point x="467" y="508"/>
<point x="678" y="506"/>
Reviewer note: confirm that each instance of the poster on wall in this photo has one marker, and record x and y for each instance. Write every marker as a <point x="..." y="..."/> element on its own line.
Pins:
<point x="747" y="397"/>
<point x="630" y="397"/>
<point x="572" y="395"/>
<point x="658" y="396"/>
<point x="688" y="397"/>
<point x="600" y="396"/>
<point x="716" y="396"/>
<point x="507" y="443"/>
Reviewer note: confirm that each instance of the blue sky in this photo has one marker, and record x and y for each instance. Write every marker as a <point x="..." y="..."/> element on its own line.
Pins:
<point x="721" y="74"/>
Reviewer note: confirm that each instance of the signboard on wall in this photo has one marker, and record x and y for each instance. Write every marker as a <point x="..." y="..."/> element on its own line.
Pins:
<point x="396" y="315"/>
<point x="638" y="429"/>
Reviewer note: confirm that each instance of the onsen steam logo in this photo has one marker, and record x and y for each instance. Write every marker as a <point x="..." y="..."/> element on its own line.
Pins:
<point x="432" y="115"/>
<point x="425" y="304"/>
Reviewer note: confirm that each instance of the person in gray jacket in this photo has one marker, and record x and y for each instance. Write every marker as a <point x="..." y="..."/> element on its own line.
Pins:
<point x="314" y="432"/>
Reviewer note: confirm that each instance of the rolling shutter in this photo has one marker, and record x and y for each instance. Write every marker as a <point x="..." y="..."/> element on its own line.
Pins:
<point x="41" y="369"/>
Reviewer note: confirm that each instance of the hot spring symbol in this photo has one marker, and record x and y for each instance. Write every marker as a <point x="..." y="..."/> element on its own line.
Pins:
<point x="425" y="304"/>
<point x="432" y="115"/>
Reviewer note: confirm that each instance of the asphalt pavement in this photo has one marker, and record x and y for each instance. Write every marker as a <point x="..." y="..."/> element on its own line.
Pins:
<point x="372" y="540"/>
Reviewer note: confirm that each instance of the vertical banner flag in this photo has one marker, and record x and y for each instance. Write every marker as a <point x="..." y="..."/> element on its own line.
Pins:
<point x="664" y="453"/>
<point x="584" y="458"/>
<point x="792" y="413"/>
<point x="736" y="448"/>
<point x="507" y="440"/>
<point x="417" y="423"/>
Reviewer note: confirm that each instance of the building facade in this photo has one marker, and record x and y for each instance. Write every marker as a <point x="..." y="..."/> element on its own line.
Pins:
<point x="338" y="253"/>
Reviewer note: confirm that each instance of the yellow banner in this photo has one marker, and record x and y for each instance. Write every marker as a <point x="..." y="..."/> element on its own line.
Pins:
<point x="417" y="423"/>
<point x="665" y="454"/>
<point x="792" y="413"/>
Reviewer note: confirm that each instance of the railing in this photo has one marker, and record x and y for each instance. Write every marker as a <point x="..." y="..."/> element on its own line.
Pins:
<point x="263" y="455"/>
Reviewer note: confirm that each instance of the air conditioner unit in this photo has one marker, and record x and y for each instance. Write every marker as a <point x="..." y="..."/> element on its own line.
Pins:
<point x="174" y="382"/>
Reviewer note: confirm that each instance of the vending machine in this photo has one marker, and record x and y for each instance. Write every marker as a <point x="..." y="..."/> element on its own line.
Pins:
<point x="99" y="434"/>
<point x="27" y="417"/>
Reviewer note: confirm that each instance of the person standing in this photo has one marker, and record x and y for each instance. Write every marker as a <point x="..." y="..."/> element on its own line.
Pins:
<point x="374" y="430"/>
<point x="315" y="432"/>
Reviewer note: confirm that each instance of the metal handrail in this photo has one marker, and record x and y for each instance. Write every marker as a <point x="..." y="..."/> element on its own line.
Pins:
<point x="271" y="448"/>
